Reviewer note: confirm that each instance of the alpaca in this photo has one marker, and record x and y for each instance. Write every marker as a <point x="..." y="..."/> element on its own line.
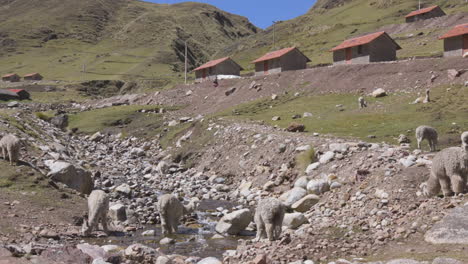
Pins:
<point x="98" y="205"/>
<point x="10" y="145"/>
<point x="171" y="210"/>
<point x="362" y="102"/>
<point x="269" y="219"/>
<point x="449" y="171"/>
<point x="428" y="133"/>
<point x="424" y="99"/>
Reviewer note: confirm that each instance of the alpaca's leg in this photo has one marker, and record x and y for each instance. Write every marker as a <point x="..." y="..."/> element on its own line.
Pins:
<point x="270" y="229"/>
<point x="458" y="184"/>
<point x="260" y="228"/>
<point x="419" y="143"/>
<point x="445" y="185"/>
<point x="10" y="155"/>
<point x="4" y="153"/>
<point x="175" y="225"/>
<point x="104" y="223"/>
<point x="432" y="186"/>
<point x="164" y="225"/>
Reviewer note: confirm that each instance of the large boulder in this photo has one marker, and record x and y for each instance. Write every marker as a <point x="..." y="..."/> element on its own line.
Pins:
<point x="293" y="195"/>
<point x="141" y="253"/>
<point x="296" y="127"/>
<point x="318" y="186"/>
<point x="60" y="121"/>
<point x="234" y="222"/>
<point x="452" y="229"/>
<point x="379" y="93"/>
<point x="118" y="213"/>
<point x="294" y="220"/>
<point x="304" y="204"/>
<point x="95" y="252"/>
<point x="210" y="260"/>
<point x="301" y="182"/>
<point x="327" y="157"/>
<point x="74" y="177"/>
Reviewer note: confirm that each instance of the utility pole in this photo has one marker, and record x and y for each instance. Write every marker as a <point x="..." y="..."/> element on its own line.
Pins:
<point x="186" y="62"/>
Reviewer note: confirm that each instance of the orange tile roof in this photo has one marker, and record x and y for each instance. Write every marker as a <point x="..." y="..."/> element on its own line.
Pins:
<point x="362" y="41"/>
<point x="277" y="54"/>
<point x="9" y="75"/>
<point x="213" y="63"/>
<point x="31" y="74"/>
<point x="421" y="11"/>
<point x="456" y="31"/>
<point x="16" y="90"/>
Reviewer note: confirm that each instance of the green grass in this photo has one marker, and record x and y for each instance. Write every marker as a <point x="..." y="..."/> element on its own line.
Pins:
<point x="305" y="158"/>
<point x="385" y="117"/>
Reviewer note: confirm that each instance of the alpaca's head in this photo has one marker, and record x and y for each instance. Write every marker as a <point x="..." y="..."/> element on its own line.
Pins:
<point x="192" y="206"/>
<point x="464" y="139"/>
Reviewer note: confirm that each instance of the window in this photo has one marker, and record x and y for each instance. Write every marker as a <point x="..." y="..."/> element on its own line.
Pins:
<point x="359" y="49"/>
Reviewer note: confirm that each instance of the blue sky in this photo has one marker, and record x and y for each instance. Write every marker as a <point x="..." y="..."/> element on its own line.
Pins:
<point x="260" y="12"/>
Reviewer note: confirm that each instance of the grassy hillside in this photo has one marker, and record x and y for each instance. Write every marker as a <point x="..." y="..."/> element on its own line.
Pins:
<point x="111" y="39"/>
<point x="329" y="22"/>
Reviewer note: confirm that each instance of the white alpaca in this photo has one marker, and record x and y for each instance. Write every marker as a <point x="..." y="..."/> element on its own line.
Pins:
<point x="449" y="171"/>
<point x="98" y="205"/>
<point x="269" y="219"/>
<point x="362" y="102"/>
<point x="424" y="99"/>
<point x="10" y="146"/>
<point x="428" y="133"/>
<point x="171" y="210"/>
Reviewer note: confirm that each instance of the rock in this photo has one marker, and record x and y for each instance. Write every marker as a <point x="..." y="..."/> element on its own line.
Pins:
<point x="96" y="137"/>
<point x="162" y="168"/>
<point x="140" y="253"/>
<point x="307" y="114"/>
<point x="13" y="104"/>
<point x="282" y="148"/>
<point x="452" y="229"/>
<point x="301" y="182"/>
<point x="209" y="260"/>
<point x="403" y="139"/>
<point x="276" y="118"/>
<point x="149" y="233"/>
<point x="117" y="212"/>
<point x="244" y="188"/>
<point x="93" y="251"/>
<point x="446" y="261"/>
<point x="68" y="254"/>
<point x="124" y="189"/>
<point x="163" y="260"/>
<point x="327" y="157"/>
<point x="379" y="93"/>
<point x="274" y="96"/>
<point x="111" y="248"/>
<point x="381" y="194"/>
<point x="406" y="261"/>
<point x="310" y="169"/>
<point x="47" y="233"/>
<point x="173" y="123"/>
<point x="294" y="220"/>
<point x="60" y="121"/>
<point x="100" y="261"/>
<point x="15" y="251"/>
<point x="230" y="91"/>
<point x="234" y="222"/>
<point x="296" y="127"/>
<point x="167" y="241"/>
<point x="452" y="74"/>
<point x="318" y="186"/>
<point x="268" y="186"/>
<point x="335" y="185"/>
<point x="137" y="152"/>
<point x="339" y="147"/>
<point x="304" y="204"/>
<point x="74" y="177"/>
<point x="260" y="259"/>
<point x="303" y="148"/>
<point x="293" y="195"/>
<point x="189" y="92"/>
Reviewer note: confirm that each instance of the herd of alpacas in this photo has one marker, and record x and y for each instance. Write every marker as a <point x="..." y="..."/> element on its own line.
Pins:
<point x="449" y="173"/>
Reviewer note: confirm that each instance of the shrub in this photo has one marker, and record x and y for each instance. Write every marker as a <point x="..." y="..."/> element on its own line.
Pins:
<point x="304" y="159"/>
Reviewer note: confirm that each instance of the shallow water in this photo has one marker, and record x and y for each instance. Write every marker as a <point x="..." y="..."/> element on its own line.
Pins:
<point x="195" y="240"/>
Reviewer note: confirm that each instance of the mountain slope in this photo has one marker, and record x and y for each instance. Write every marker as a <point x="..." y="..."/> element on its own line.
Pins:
<point x="329" y="22"/>
<point x="111" y="39"/>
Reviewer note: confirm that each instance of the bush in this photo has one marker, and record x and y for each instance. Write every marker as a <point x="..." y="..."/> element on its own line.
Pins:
<point x="43" y="116"/>
<point x="304" y="159"/>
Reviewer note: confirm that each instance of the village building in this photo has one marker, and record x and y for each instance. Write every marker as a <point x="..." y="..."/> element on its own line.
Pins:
<point x="6" y="95"/>
<point x="22" y="94"/>
<point x="288" y="59"/>
<point x="456" y="41"/>
<point x="13" y="77"/>
<point x="424" y="13"/>
<point x="33" y="77"/>
<point x="211" y="69"/>
<point x="373" y="47"/>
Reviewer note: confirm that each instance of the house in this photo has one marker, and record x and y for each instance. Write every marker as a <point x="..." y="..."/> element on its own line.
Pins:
<point x="456" y="41"/>
<point x="425" y="13"/>
<point x="211" y="69"/>
<point x="373" y="47"/>
<point x="6" y="95"/>
<point x="288" y="59"/>
<point x="33" y="77"/>
<point x="13" y="77"/>
<point x="22" y="94"/>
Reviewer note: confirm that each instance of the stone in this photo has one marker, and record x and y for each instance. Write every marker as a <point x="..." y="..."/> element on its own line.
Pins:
<point x="60" y="121"/>
<point x="318" y="186"/>
<point x="117" y="212"/>
<point x="452" y="74"/>
<point x="312" y="167"/>
<point x="304" y="204"/>
<point x="234" y="222"/>
<point x="294" y="220"/>
<point x="339" y="147"/>
<point x="274" y="96"/>
<point x="209" y="260"/>
<point x="406" y="261"/>
<point x="293" y="195"/>
<point x="403" y="139"/>
<point x="124" y="189"/>
<point x="167" y="241"/>
<point x="307" y="114"/>
<point x="295" y="127"/>
<point x="163" y="260"/>
<point x="244" y="188"/>
<point x="276" y="118"/>
<point x="67" y="254"/>
<point x="379" y="93"/>
<point x="13" y="104"/>
<point x="446" y="261"/>
<point x="173" y="123"/>
<point x="100" y="261"/>
<point x="93" y="251"/>
<point x="148" y="233"/>
<point x="162" y="168"/>
<point x="260" y="259"/>
<point x="327" y="157"/>
<point x="139" y="253"/>
<point x="137" y="152"/>
<point x="230" y="91"/>
<point x="96" y="137"/>
<point x="452" y="229"/>
<point x="74" y="177"/>
<point x="301" y="182"/>
<point x="111" y="248"/>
